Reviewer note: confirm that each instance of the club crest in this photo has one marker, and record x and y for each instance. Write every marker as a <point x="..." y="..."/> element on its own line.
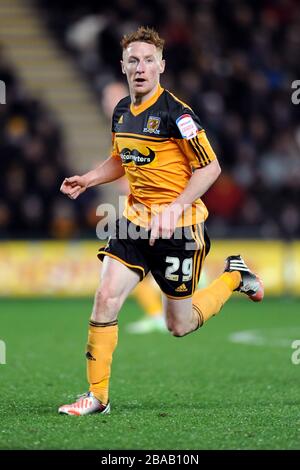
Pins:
<point x="152" y="125"/>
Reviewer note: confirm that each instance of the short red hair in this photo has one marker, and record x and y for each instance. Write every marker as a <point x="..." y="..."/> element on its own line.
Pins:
<point x="143" y="34"/>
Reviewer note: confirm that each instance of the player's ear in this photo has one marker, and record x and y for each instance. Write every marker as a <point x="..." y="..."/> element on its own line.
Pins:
<point x="162" y="66"/>
<point x="122" y="66"/>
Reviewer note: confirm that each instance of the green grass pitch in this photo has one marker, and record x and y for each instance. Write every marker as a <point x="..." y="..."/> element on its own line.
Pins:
<point x="198" y="392"/>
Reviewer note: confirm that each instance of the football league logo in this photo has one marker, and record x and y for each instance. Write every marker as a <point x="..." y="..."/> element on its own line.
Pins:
<point x="152" y="125"/>
<point x="187" y="126"/>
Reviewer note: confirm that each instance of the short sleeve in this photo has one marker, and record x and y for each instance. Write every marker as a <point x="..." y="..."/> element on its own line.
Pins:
<point x="192" y="139"/>
<point x="197" y="150"/>
<point x="114" y="149"/>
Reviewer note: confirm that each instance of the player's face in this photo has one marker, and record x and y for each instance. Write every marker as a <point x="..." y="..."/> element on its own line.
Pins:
<point x="142" y="63"/>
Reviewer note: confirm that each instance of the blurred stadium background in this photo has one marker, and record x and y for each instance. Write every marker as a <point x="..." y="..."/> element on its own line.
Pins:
<point x="233" y="61"/>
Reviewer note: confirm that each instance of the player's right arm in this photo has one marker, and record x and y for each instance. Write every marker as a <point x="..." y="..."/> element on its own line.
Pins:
<point x="110" y="170"/>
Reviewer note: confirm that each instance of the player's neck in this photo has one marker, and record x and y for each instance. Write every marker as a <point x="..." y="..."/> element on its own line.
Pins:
<point x="138" y="100"/>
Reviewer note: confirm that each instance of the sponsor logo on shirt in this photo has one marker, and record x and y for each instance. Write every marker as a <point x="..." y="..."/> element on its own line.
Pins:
<point x="187" y="126"/>
<point x="137" y="157"/>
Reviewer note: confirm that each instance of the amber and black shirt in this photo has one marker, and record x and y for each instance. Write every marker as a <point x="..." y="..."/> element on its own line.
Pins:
<point x="160" y="143"/>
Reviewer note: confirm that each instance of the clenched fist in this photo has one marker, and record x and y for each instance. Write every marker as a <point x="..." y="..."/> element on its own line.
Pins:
<point x="74" y="186"/>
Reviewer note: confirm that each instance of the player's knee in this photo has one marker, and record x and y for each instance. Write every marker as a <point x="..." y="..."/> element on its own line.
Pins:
<point x="176" y="330"/>
<point x="178" y="333"/>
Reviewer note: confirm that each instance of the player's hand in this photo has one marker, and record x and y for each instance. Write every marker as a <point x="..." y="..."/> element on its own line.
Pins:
<point x="73" y="186"/>
<point x="163" y="224"/>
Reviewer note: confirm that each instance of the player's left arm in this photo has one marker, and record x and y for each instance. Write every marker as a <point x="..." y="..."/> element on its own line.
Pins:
<point x="206" y="169"/>
<point x="196" y="147"/>
<point x="164" y="224"/>
<point x="201" y="180"/>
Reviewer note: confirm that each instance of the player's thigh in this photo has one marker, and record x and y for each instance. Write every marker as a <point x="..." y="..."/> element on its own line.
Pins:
<point x="117" y="280"/>
<point x="177" y="311"/>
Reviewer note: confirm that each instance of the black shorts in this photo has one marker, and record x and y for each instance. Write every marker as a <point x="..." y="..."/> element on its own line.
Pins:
<point x="175" y="263"/>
